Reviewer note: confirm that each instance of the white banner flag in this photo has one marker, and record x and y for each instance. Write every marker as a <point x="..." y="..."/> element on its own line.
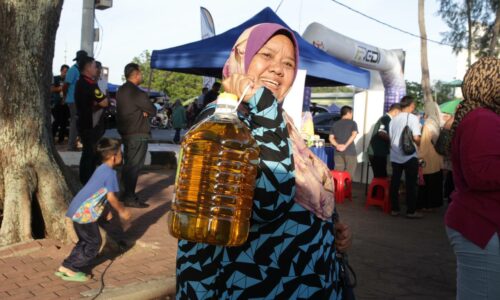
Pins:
<point x="207" y="30"/>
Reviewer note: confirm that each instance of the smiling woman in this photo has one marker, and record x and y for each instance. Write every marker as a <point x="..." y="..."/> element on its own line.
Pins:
<point x="274" y="66"/>
<point x="270" y="62"/>
<point x="290" y="251"/>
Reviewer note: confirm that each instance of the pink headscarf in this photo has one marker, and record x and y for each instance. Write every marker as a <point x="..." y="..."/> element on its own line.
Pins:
<point x="250" y="42"/>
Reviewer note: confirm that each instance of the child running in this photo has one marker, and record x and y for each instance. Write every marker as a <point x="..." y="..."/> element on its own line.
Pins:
<point x="86" y="208"/>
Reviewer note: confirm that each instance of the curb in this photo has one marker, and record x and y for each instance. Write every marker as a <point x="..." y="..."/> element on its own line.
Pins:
<point x="26" y="247"/>
<point x="161" y="287"/>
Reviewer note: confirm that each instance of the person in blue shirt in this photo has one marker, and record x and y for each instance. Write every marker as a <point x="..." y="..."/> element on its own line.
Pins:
<point x="86" y="208"/>
<point x="69" y="93"/>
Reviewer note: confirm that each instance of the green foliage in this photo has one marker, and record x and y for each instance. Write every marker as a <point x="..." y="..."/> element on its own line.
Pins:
<point x="175" y="85"/>
<point x="455" y="15"/>
<point x="440" y="90"/>
<point x="415" y="89"/>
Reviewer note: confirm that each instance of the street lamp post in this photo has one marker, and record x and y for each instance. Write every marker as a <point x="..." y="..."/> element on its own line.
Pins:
<point x="87" y="42"/>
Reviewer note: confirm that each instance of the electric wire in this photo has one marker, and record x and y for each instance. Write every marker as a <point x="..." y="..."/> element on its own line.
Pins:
<point x="389" y="25"/>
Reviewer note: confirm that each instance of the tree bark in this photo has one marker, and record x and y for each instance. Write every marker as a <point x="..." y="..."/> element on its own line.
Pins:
<point x="31" y="171"/>
<point x="426" y="84"/>
<point x="496" y="31"/>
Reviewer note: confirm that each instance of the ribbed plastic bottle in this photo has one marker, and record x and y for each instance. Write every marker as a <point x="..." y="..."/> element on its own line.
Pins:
<point x="215" y="179"/>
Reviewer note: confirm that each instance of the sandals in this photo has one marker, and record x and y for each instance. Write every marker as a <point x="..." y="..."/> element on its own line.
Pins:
<point x="60" y="274"/>
<point x="78" y="277"/>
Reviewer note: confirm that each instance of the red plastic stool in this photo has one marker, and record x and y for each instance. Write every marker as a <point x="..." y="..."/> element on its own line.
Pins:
<point x="343" y="185"/>
<point x="378" y="194"/>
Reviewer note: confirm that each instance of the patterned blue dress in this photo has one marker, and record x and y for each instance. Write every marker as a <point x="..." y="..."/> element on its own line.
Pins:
<point x="289" y="253"/>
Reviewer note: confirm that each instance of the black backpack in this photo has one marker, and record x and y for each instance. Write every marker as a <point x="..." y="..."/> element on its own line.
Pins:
<point x="406" y="141"/>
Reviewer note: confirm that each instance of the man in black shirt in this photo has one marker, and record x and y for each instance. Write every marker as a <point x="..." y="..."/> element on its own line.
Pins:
<point x="342" y="135"/>
<point x="88" y="98"/>
<point x="212" y="94"/>
<point x="380" y="143"/>
<point x="133" y="109"/>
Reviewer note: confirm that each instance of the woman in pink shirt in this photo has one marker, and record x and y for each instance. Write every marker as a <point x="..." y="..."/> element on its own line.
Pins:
<point x="473" y="218"/>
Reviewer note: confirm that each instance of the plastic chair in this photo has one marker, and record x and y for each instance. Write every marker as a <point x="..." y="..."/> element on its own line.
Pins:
<point x="343" y="185"/>
<point x="378" y="194"/>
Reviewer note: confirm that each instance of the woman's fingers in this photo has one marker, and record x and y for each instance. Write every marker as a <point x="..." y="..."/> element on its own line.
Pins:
<point x="237" y="83"/>
<point x="343" y="236"/>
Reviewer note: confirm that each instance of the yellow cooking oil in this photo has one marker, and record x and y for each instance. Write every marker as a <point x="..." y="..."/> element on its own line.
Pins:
<point x="215" y="179"/>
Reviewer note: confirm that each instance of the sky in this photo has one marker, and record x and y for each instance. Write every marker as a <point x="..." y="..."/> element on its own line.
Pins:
<point x="131" y="27"/>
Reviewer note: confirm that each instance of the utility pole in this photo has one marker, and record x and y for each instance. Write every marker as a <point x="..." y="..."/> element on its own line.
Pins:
<point x="87" y="42"/>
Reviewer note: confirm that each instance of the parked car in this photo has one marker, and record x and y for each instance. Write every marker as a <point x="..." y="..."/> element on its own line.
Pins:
<point x="323" y="122"/>
<point x="318" y="109"/>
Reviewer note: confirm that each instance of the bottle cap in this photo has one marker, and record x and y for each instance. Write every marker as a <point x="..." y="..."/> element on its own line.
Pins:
<point x="226" y="102"/>
<point x="227" y="98"/>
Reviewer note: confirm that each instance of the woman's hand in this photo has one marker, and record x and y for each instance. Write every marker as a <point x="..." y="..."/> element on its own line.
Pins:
<point x="236" y="84"/>
<point x="343" y="237"/>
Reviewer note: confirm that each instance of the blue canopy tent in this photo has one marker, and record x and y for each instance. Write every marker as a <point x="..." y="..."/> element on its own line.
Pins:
<point x="207" y="57"/>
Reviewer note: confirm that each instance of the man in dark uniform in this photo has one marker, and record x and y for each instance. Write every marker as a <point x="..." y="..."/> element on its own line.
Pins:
<point x="88" y="99"/>
<point x="380" y="143"/>
<point x="133" y="109"/>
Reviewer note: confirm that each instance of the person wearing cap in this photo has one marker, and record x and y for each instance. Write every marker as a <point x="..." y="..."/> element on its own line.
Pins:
<point x="69" y="93"/>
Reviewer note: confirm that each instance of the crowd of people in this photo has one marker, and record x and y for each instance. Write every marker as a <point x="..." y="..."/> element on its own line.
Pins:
<point x="293" y="194"/>
<point x="425" y="194"/>
<point x="271" y="57"/>
<point x="464" y="143"/>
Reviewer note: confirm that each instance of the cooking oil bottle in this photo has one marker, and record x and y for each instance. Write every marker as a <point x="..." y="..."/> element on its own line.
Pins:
<point x="215" y="179"/>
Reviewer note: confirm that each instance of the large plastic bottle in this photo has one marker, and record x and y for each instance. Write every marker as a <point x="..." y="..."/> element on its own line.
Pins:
<point x="215" y="179"/>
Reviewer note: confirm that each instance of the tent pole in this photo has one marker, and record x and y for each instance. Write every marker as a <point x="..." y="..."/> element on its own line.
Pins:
<point x="365" y="156"/>
<point x="364" y="136"/>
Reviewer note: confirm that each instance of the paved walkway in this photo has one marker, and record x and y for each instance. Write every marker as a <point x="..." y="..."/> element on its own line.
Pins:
<point x="394" y="257"/>
<point x="27" y="270"/>
<point x="397" y="258"/>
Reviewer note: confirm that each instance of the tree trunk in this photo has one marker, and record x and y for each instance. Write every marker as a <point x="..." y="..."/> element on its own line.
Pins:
<point x="468" y="4"/>
<point x="33" y="190"/>
<point x="426" y="84"/>
<point x="496" y="32"/>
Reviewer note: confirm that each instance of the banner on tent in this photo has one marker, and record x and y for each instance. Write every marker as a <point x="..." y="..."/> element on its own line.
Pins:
<point x="307" y="98"/>
<point x="294" y="100"/>
<point x="207" y="31"/>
